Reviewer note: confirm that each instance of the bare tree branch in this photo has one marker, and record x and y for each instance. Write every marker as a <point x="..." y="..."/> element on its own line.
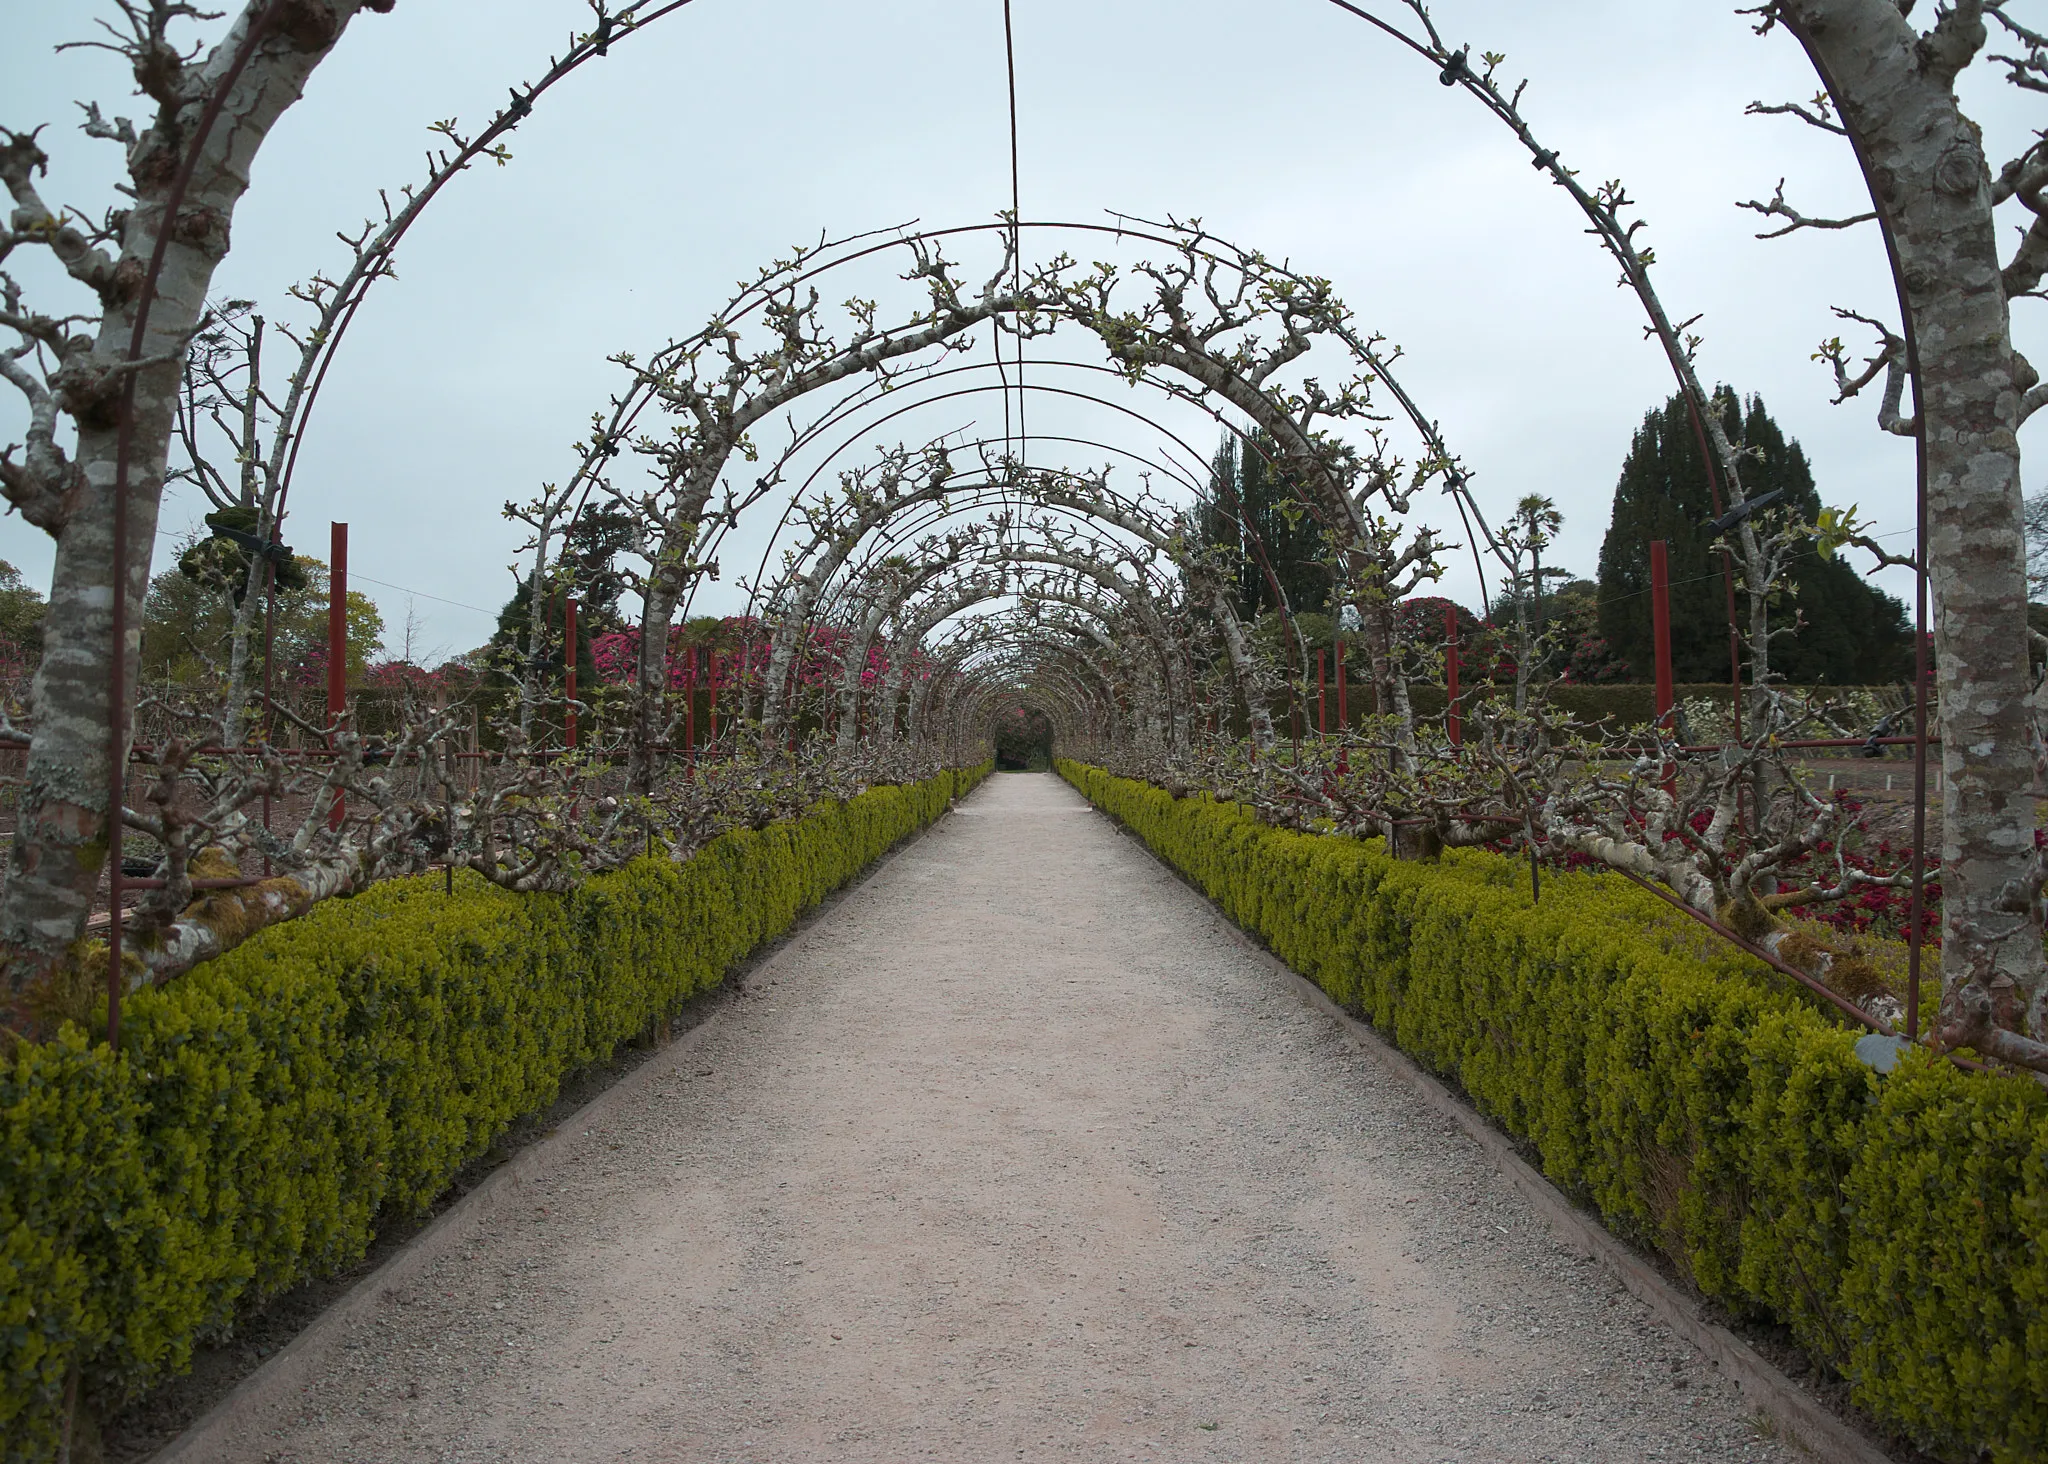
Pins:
<point x="1778" y="208"/>
<point x="1817" y="113"/>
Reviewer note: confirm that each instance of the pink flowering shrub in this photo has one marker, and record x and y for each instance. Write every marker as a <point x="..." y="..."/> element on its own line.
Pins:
<point x="743" y="646"/>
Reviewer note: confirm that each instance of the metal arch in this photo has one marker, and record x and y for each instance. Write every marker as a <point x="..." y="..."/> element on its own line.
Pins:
<point x="1249" y="442"/>
<point x="934" y="514"/>
<point x="1144" y="419"/>
<point x="1020" y="566"/>
<point x="1069" y="673"/>
<point x="942" y="603"/>
<point x="938" y="513"/>
<point x="636" y="17"/>
<point x="1175" y="698"/>
<point x="1207" y="374"/>
<point x="627" y="410"/>
<point x="927" y="517"/>
<point x="1013" y="657"/>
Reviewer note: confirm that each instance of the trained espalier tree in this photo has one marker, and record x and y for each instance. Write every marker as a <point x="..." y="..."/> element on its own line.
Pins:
<point x="1206" y="570"/>
<point x="1890" y="89"/>
<point x="87" y="372"/>
<point x="805" y="596"/>
<point x="722" y="391"/>
<point x="917" y="605"/>
<point x="881" y="598"/>
<point x="1147" y="653"/>
<point x="867" y="497"/>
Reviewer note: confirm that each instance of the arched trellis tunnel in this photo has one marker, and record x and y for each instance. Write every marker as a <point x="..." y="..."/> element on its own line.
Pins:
<point x="1325" y="441"/>
<point x="1218" y="362"/>
<point x="930" y="581"/>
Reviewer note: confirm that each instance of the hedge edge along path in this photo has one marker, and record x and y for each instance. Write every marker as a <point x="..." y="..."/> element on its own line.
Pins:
<point x="1895" y="1225"/>
<point x="268" y="1110"/>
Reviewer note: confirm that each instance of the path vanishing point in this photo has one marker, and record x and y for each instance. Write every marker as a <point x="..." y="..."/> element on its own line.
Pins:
<point x="1019" y="1151"/>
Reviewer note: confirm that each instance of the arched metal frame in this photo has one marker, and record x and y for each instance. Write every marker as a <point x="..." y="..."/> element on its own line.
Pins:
<point x="1212" y="373"/>
<point x="613" y="28"/>
<point x="634" y="17"/>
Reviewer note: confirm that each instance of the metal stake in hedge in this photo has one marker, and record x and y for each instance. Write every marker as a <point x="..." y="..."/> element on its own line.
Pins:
<point x="337" y="653"/>
<point x="1452" y="723"/>
<point x="690" y="706"/>
<point x="569" y="683"/>
<point x="1660" y="637"/>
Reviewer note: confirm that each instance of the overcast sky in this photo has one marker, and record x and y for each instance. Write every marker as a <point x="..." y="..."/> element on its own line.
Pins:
<point x="645" y="185"/>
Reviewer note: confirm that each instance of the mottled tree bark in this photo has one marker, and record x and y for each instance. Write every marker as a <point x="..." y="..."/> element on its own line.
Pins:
<point x="60" y="847"/>
<point x="1895" y="91"/>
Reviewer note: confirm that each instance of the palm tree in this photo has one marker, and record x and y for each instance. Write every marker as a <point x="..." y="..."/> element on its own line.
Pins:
<point x="1528" y="530"/>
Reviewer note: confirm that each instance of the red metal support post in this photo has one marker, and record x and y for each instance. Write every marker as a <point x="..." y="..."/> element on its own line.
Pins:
<point x="1660" y="640"/>
<point x="690" y="702"/>
<point x="269" y="648"/>
<point x="337" y="651"/>
<point x="569" y="680"/>
<point x="1453" y="723"/>
<point x="1343" y="715"/>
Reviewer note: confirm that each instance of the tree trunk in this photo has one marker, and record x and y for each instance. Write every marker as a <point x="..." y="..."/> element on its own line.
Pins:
<point x="650" y="681"/>
<point x="1931" y="185"/>
<point x="62" y="835"/>
<point x="1259" y="716"/>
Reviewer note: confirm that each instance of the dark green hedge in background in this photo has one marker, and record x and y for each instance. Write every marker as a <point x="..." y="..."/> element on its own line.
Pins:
<point x="1898" y="1225"/>
<point x="267" y="1111"/>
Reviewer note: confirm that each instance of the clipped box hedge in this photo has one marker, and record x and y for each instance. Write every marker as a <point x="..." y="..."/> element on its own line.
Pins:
<point x="268" y="1110"/>
<point x="1897" y="1225"/>
<point x="1622" y="704"/>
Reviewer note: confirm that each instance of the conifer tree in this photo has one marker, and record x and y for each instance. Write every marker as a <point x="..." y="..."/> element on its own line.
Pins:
<point x="1243" y="473"/>
<point x="589" y="551"/>
<point x="1850" y="633"/>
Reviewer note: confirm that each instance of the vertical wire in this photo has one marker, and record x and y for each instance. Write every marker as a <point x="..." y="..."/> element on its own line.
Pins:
<point x="1917" y="909"/>
<point x="118" y="728"/>
<point x="1016" y="235"/>
<point x="1917" y="901"/>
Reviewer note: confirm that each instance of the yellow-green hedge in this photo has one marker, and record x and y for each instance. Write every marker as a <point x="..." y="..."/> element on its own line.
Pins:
<point x="1898" y="1225"/>
<point x="266" y="1111"/>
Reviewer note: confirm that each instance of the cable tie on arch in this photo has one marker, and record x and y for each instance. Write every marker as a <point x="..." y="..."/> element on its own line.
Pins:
<point x="522" y="106"/>
<point x="1543" y="159"/>
<point x="1455" y="69"/>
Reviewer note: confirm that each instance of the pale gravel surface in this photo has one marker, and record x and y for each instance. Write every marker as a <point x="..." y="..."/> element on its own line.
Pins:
<point x="1018" y="1153"/>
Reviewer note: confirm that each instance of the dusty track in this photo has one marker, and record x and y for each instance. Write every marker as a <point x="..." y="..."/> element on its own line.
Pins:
<point x="1016" y="1153"/>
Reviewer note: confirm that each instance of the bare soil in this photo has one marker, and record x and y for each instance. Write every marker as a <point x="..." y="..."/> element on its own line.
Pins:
<point x="1016" y="1152"/>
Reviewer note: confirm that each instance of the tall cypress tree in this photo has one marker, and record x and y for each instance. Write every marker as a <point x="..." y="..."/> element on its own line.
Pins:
<point x="591" y="547"/>
<point x="1289" y="533"/>
<point x="1850" y="633"/>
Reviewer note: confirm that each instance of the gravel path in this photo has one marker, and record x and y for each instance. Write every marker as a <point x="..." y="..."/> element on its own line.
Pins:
<point x="1017" y="1152"/>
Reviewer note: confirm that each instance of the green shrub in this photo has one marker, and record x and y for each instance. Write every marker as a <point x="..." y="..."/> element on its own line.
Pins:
<point x="266" y="1112"/>
<point x="1621" y="704"/>
<point x="1897" y="1225"/>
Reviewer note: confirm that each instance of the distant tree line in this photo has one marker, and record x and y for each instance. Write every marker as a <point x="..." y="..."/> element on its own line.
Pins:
<point x="1845" y="630"/>
<point x="1842" y="630"/>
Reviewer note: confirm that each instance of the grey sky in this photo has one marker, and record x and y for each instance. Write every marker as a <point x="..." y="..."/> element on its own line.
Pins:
<point x="648" y="183"/>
